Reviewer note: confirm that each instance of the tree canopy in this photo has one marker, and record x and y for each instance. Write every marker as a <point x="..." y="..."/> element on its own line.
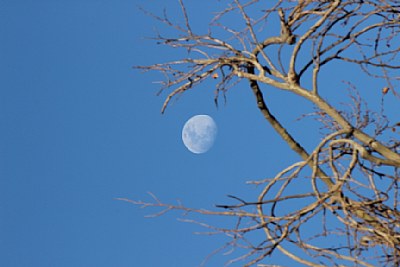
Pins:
<point x="352" y="175"/>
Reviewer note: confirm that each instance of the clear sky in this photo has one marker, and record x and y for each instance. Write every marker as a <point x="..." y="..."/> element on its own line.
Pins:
<point x="80" y="127"/>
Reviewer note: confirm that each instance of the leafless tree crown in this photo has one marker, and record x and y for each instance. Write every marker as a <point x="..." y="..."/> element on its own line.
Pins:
<point x="352" y="175"/>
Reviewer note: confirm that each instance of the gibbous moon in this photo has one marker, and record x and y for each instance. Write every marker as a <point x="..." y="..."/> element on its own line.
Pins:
<point x="199" y="133"/>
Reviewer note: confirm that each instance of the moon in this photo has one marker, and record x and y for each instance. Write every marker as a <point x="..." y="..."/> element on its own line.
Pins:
<point x="199" y="133"/>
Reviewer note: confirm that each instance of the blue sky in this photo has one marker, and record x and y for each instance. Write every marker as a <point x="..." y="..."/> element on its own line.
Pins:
<point x="80" y="128"/>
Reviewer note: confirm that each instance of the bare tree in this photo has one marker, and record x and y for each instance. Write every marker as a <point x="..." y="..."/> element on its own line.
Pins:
<point x="353" y="174"/>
